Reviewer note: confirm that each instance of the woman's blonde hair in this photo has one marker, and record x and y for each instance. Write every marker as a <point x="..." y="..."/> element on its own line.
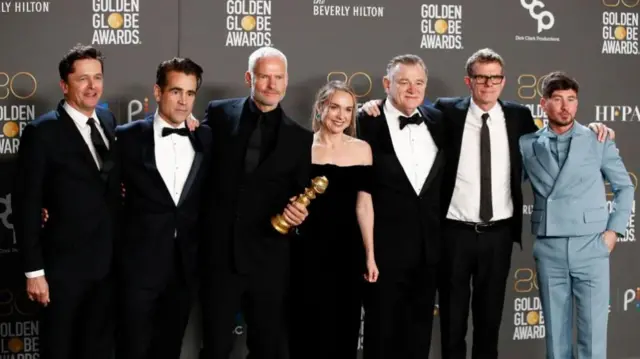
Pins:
<point x="323" y="98"/>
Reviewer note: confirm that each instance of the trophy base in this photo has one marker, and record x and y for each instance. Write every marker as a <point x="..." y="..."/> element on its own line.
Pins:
<point x="278" y="223"/>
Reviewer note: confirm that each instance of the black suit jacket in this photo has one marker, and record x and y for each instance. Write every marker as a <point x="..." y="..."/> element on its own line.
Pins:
<point x="519" y="122"/>
<point x="407" y="225"/>
<point x="157" y="233"/>
<point x="239" y="233"/>
<point x="57" y="171"/>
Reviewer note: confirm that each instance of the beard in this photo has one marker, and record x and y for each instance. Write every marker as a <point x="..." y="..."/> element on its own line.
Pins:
<point x="560" y="121"/>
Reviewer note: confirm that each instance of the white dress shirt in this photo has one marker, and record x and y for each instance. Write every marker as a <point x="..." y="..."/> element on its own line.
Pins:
<point x="413" y="145"/>
<point x="80" y="121"/>
<point x="465" y="202"/>
<point x="174" y="157"/>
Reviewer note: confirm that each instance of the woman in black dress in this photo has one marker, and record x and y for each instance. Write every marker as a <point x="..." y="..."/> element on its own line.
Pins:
<point x="335" y="246"/>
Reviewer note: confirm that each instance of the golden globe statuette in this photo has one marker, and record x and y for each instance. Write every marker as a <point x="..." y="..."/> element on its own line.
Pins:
<point x="318" y="185"/>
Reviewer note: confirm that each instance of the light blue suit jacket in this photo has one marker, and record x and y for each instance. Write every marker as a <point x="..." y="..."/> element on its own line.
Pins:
<point x="571" y="201"/>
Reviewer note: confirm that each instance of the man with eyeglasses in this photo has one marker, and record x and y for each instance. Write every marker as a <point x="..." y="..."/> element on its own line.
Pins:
<point x="481" y="204"/>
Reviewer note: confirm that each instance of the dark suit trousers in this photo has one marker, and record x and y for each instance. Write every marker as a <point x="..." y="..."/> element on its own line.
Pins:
<point x="153" y="320"/>
<point x="399" y="314"/>
<point x="481" y="261"/>
<point x="78" y="324"/>
<point x="261" y="298"/>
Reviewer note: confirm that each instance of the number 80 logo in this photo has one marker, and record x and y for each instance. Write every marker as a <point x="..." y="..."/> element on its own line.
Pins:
<point x="616" y="3"/>
<point x="8" y="87"/>
<point x="530" y="86"/>
<point x="359" y="82"/>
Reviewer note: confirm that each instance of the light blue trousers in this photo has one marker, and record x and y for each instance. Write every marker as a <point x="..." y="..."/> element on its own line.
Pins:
<point x="574" y="268"/>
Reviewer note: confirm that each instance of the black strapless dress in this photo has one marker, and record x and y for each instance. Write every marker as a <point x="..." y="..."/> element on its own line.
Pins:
<point x="328" y="262"/>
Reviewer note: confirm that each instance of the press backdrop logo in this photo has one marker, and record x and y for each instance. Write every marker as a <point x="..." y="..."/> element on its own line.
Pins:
<point x="631" y="299"/>
<point x="360" y="82"/>
<point x="441" y="26"/>
<point x="239" y="327"/>
<point x="620" y="27"/>
<point x="322" y="8"/>
<point x="24" y="6"/>
<point x="528" y="319"/>
<point x="137" y="109"/>
<point x="544" y="20"/>
<point x="18" y="338"/>
<point x="116" y="22"/>
<point x="16" y="89"/>
<point x="529" y="93"/>
<point x="618" y="113"/>
<point x="8" y="244"/>
<point x="248" y="23"/>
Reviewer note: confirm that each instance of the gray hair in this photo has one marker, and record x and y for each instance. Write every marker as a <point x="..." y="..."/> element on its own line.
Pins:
<point x="262" y="52"/>
<point x="407" y="59"/>
<point x="485" y="55"/>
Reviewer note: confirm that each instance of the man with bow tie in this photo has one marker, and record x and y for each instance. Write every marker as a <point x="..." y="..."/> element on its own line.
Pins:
<point x="408" y="163"/>
<point x="163" y="169"/>
<point x="480" y="205"/>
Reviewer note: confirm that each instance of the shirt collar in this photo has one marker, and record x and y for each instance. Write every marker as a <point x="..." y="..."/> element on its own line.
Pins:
<point x="569" y="134"/>
<point x="78" y="117"/>
<point x="270" y="118"/>
<point x="494" y="112"/>
<point x="394" y="113"/>
<point x="159" y="123"/>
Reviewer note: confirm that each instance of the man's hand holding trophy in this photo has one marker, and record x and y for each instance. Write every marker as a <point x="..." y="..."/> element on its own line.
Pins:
<point x="296" y="212"/>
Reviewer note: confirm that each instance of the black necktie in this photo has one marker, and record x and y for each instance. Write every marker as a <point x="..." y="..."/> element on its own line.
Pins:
<point x="486" y="205"/>
<point x="416" y="119"/>
<point x="98" y="142"/>
<point x="252" y="156"/>
<point x="166" y="131"/>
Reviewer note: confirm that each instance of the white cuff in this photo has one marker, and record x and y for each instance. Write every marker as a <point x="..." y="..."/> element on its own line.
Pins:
<point x="35" y="274"/>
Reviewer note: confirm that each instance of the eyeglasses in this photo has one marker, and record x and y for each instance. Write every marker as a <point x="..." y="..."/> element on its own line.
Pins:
<point x="482" y="79"/>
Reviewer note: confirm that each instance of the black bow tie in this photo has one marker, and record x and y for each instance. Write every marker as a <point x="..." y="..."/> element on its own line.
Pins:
<point x="166" y="131"/>
<point x="416" y="119"/>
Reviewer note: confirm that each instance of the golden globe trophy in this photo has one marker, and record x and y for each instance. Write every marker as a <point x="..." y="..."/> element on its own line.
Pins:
<point x="318" y="185"/>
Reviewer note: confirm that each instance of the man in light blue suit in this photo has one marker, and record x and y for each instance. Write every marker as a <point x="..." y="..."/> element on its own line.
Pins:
<point x="575" y="232"/>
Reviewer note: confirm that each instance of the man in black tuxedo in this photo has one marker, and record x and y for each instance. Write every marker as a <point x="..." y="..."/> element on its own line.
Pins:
<point x="66" y="165"/>
<point x="261" y="158"/>
<point x="406" y="142"/>
<point x="481" y="205"/>
<point x="163" y="172"/>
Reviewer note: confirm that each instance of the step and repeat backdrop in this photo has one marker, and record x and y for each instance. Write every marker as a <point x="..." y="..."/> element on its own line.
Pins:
<point x="596" y="41"/>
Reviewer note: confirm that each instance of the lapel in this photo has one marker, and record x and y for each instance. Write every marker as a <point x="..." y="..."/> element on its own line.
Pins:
<point x="235" y="116"/>
<point x="386" y="146"/>
<point x="230" y="140"/>
<point x="513" y="135"/>
<point x="542" y="150"/>
<point x="107" y="163"/>
<point x="195" y="167"/>
<point x="149" y="157"/>
<point x="458" y="118"/>
<point x="75" y="137"/>
<point x="431" y="127"/>
<point x="577" y="153"/>
<point x="533" y="152"/>
<point x="286" y="137"/>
